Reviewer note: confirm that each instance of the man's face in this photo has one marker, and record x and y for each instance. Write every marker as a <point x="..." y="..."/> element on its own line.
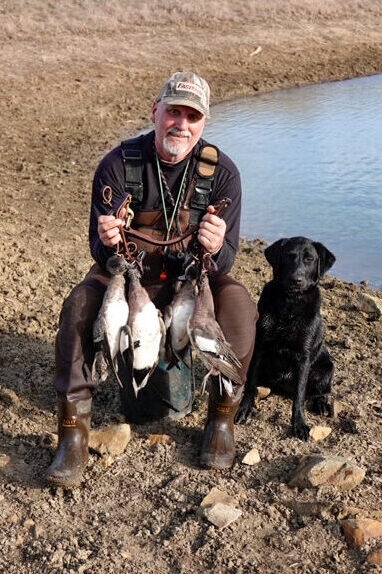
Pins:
<point x="177" y="130"/>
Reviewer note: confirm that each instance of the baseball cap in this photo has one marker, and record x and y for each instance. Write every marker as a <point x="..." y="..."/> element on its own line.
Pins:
<point x="187" y="89"/>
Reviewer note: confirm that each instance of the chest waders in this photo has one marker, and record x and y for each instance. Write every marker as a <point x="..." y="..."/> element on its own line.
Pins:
<point x="169" y="393"/>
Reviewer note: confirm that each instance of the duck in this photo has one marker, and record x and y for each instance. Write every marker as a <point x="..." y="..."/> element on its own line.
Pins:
<point x="208" y="341"/>
<point x="109" y="330"/>
<point x="145" y="329"/>
<point x="176" y="317"/>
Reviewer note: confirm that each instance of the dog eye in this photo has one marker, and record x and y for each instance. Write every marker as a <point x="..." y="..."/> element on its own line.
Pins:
<point x="308" y="259"/>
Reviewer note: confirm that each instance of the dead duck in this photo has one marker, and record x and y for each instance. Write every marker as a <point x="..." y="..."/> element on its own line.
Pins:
<point x="109" y="335"/>
<point x="208" y="341"/>
<point x="145" y="329"/>
<point x="176" y="317"/>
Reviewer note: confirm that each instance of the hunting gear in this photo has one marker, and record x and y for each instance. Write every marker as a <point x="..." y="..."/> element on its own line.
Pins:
<point x="158" y="194"/>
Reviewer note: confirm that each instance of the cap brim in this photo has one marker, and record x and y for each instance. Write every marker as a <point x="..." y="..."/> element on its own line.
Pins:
<point x="180" y="101"/>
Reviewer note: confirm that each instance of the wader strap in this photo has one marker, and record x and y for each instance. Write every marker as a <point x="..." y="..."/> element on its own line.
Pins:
<point x="205" y="172"/>
<point x="133" y="166"/>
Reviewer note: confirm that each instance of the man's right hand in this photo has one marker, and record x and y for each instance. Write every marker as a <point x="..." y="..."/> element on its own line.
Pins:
<point x="109" y="229"/>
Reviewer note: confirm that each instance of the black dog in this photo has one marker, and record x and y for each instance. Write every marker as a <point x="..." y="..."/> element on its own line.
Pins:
<point x="290" y="355"/>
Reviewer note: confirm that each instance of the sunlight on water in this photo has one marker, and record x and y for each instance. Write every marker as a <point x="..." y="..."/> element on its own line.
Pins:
<point x="311" y="164"/>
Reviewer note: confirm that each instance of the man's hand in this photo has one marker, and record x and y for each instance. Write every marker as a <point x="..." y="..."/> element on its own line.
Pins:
<point x="212" y="231"/>
<point x="108" y="229"/>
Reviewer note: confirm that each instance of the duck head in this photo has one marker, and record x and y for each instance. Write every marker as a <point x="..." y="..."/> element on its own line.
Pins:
<point x="116" y="265"/>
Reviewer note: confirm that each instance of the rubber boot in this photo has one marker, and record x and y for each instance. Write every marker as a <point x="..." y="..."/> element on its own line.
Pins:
<point x="218" y="446"/>
<point x="73" y="439"/>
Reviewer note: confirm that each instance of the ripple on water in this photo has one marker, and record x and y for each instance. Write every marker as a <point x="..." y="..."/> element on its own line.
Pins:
<point x="311" y="164"/>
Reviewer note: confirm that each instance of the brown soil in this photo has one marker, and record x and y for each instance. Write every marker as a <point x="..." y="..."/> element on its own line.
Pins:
<point x="77" y="76"/>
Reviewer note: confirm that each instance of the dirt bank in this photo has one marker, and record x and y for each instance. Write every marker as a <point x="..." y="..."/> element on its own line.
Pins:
<point x="77" y="77"/>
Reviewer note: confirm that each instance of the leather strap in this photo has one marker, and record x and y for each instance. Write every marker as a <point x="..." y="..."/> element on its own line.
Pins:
<point x="139" y="235"/>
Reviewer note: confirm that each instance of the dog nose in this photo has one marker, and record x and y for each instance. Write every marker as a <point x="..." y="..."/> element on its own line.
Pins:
<point x="298" y="281"/>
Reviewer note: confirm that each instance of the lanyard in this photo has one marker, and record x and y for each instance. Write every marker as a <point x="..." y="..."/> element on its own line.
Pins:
<point x="176" y="206"/>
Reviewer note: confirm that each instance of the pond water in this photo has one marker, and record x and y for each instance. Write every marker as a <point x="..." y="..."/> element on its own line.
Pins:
<point x="311" y="164"/>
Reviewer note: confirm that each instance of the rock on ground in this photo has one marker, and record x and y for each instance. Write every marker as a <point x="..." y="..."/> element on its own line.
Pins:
<point x="252" y="457"/>
<point x="314" y="471"/>
<point x="375" y="558"/>
<point x="370" y="304"/>
<point x="357" y="532"/>
<point x="318" y="432"/>
<point x="112" y="440"/>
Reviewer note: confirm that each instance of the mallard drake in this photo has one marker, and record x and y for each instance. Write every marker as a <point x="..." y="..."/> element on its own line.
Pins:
<point x="109" y="334"/>
<point x="176" y="317"/>
<point x="145" y="329"/>
<point x="208" y="341"/>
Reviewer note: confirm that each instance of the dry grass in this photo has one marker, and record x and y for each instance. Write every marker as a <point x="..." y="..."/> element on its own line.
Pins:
<point x="46" y="37"/>
<point x="40" y="17"/>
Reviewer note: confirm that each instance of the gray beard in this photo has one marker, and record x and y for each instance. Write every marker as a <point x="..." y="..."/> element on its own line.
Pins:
<point x="175" y="149"/>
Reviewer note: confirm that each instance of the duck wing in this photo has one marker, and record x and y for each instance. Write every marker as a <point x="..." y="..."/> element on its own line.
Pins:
<point x="102" y="359"/>
<point x="215" y="352"/>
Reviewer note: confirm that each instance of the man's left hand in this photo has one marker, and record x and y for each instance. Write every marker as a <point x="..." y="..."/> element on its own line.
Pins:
<point x="212" y="231"/>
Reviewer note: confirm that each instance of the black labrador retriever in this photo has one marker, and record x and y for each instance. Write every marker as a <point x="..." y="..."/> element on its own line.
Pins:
<point x="290" y="354"/>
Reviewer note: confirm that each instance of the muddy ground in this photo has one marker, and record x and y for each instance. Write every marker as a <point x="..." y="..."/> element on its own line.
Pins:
<point x="76" y="78"/>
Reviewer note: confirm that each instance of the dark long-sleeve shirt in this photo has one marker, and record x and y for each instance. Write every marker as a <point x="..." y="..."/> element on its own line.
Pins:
<point x="110" y="172"/>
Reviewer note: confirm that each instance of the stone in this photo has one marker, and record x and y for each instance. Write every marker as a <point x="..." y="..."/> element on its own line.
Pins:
<point x="252" y="457"/>
<point x="338" y="407"/>
<point x="14" y="519"/>
<point x="160" y="439"/>
<point x="317" y="470"/>
<point x="110" y="440"/>
<point x="19" y="540"/>
<point x="38" y="530"/>
<point x="263" y="392"/>
<point x="318" y="432"/>
<point x="107" y="461"/>
<point x="357" y="532"/>
<point x="219" y="508"/>
<point x="4" y="460"/>
<point x="215" y="495"/>
<point x="57" y="556"/>
<point x="375" y="557"/>
<point x="221" y="515"/>
<point x="370" y="305"/>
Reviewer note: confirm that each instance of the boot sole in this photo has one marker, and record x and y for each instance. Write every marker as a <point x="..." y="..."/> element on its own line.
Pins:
<point x="56" y="481"/>
<point x="217" y="462"/>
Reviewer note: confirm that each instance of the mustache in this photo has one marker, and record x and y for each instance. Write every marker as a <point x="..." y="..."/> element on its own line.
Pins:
<point x="181" y="133"/>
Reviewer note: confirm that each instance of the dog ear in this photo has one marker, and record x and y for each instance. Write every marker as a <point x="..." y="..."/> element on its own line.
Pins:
<point x="326" y="258"/>
<point x="273" y="252"/>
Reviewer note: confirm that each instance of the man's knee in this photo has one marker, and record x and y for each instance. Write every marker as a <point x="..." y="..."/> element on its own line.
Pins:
<point x="83" y="300"/>
<point x="235" y="300"/>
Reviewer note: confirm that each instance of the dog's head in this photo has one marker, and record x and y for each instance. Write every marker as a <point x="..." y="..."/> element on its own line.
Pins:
<point x="298" y="263"/>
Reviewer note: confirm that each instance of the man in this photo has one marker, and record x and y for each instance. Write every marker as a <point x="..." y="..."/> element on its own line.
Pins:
<point x="163" y="172"/>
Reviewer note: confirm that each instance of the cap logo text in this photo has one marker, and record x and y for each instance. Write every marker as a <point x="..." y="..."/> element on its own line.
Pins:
<point x="184" y="87"/>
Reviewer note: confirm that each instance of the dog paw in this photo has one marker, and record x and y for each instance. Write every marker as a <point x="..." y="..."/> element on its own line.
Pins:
<point x="301" y="431"/>
<point x="244" y="413"/>
<point x="322" y="406"/>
